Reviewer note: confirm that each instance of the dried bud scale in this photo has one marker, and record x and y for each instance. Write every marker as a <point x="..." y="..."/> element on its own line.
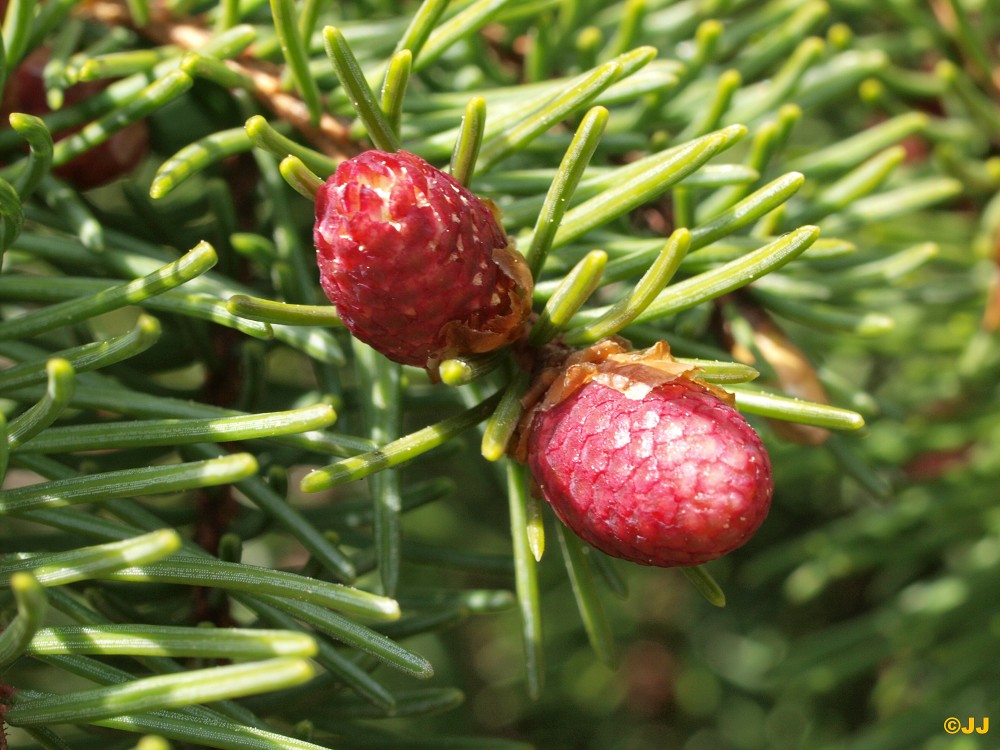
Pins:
<point x="417" y="266"/>
<point x="644" y="462"/>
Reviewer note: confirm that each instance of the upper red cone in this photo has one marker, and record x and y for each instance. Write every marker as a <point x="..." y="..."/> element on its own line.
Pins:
<point x="418" y="267"/>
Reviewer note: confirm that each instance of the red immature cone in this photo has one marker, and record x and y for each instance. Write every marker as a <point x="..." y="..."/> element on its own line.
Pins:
<point x="114" y="157"/>
<point x="645" y="463"/>
<point x="418" y="267"/>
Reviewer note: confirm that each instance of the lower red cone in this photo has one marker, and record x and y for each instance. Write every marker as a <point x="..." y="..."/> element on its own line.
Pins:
<point x="659" y="471"/>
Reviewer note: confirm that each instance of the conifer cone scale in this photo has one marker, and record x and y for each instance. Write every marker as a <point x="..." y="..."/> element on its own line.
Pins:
<point x="417" y="266"/>
<point x="649" y="466"/>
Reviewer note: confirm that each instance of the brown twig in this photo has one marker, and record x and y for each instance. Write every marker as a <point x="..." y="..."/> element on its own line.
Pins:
<point x="991" y="314"/>
<point x="329" y="136"/>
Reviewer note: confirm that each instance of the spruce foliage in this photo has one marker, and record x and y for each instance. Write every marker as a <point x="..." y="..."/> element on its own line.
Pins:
<point x="225" y="523"/>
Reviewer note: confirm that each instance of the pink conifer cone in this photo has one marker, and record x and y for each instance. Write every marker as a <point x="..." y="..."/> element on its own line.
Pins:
<point x="417" y="266"/>
<point x="645" y="463"/>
